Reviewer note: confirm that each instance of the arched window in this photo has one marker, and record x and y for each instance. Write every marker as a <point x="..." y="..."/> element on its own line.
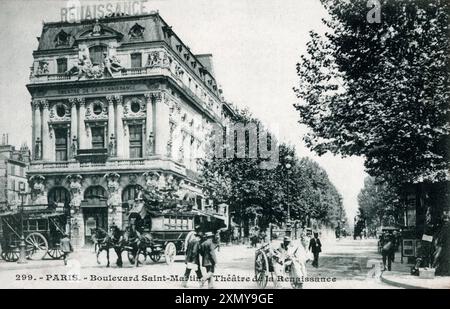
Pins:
<point x="95" y="192"/>
<point x="59" y="195"/>
<point x="130" y="193"/>
<point x="96" y="54"/>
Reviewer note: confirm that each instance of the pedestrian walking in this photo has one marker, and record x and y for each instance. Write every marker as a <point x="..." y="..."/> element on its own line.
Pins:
<point x="192" y="257"/>
<point x="66" y="247"/>
<point x="388" y="250"/>
<point x="315" y="246"/>
<point x="217" y="240"/>
<point x="209" y="259"/>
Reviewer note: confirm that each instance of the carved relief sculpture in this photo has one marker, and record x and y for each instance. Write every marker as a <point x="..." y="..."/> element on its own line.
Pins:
<point x="112" y="64"/>
<point x="42" y="68"/>
<point x="75" y="190"/>
<point x="38" y="190"/>
<point x="114" y="198"/>
<point x="74" y="146"/>
<point x="150" y="143"/>
<point x="112" y="146"/>
<point x="154" y="59"/>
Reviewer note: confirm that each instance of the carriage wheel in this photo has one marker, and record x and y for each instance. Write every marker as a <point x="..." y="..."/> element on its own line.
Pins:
<point x="169" y="252"/>
<point x="155" y="256"/>
<point x="38" y="245"/>
<point x="55" y="253"/>
<point x="261" y="269"/>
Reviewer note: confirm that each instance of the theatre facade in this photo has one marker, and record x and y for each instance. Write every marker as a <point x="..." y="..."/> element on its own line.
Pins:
<point x="118" y="104"/>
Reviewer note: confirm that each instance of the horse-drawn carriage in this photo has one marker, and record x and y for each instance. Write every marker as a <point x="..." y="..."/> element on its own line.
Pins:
<point x="42" y="228"/>
<point x="167" y="232"/>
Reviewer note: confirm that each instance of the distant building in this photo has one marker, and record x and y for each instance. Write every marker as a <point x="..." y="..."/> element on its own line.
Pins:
<point x="13" y="173"/>
<point x="118" y="104"/>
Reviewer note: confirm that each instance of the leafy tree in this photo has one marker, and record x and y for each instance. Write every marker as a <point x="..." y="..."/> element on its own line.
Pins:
<point x="253" y="192"/>
<point x="380" y="90"/>
<point x="379" y="203"/>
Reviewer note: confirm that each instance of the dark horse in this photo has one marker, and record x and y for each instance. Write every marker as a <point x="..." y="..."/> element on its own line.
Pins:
<point x="104" y="241"/>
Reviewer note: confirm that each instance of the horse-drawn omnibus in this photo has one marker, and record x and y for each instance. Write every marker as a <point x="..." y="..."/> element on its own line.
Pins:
<point x="42" y="228"/>
<point x="168" y="231"/>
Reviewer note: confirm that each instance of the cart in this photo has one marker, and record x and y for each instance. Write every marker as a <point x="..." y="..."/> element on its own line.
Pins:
<point x="167" y="233"/>
<point x="42" y="229"/>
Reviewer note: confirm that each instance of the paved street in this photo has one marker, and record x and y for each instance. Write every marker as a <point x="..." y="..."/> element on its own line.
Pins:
<point x="344" y="260"/>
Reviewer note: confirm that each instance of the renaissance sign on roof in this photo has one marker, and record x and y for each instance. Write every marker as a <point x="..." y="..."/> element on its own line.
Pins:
<point x="75" y="12"/>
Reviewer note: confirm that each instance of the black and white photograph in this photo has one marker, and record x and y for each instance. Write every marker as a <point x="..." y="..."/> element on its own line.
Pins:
<point x="234" y="145"/>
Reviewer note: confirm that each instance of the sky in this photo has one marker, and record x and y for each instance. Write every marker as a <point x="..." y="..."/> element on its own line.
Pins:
<point x="255" y="45"/>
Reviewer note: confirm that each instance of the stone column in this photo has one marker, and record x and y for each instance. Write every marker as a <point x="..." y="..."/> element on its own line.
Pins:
<point x="73" y="125"/>
<point x="82" y="138"/>
<point x="37" y="147"/>
<point x="46" y="147"/>
<point x="111" y="116"/>
<point x="119" y="126"/>
<point x="161" y="123"/>
<point x="149" y="134"/>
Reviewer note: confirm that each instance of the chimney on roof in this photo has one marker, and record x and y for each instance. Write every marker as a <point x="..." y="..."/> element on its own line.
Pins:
<point x="207" y="61"/>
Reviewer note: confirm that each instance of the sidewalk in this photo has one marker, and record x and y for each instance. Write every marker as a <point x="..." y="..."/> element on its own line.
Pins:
<point x="400" y="277"/>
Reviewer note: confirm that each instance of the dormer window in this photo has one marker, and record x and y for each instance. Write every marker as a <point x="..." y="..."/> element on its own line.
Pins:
<point x="136" y="32"/>
<point x="179" y="48"/>
<point x="62" y="39"/>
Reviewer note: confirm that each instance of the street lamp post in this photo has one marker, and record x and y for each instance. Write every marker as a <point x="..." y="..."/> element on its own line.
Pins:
<point x="22" y="245"/>
<point x="288" y="167"/>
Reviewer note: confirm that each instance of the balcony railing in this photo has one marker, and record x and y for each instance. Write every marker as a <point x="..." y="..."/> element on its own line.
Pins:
<point x="154" y="162"/>
<point x="128" y="72"/>
<point x="94" y="155"/>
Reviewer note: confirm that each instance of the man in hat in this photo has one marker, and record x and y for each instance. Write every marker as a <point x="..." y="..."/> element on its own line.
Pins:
<point x="193" y="256"/>
<point x="315" y="246"/>
<point x="66" y="247"/>
<point x="209" y="259"/>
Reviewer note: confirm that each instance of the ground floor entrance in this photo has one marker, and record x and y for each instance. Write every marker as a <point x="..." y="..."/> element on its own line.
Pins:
<point x="94" y="217"/>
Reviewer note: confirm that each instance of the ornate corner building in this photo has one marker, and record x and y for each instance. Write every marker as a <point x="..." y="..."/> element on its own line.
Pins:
<point x="118" y="104"/>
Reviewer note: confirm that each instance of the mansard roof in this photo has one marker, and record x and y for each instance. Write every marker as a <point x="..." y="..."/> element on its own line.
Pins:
<point x="113" y="26"/>
<point x="127" y="29"/>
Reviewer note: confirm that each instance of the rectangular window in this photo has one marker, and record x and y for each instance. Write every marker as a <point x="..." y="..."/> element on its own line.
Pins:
<point x="62" y="65"/>
<point x="98" y="137"/>
<point x="12" y="170"/>
<point x="136" y="60"/>
<point x="135" y="141"/>
<point x="61" y="144"/>
<point x="96" y="54"/>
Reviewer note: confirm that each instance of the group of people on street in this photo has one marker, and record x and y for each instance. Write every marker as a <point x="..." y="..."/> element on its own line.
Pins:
<point x="200" y="253"/>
